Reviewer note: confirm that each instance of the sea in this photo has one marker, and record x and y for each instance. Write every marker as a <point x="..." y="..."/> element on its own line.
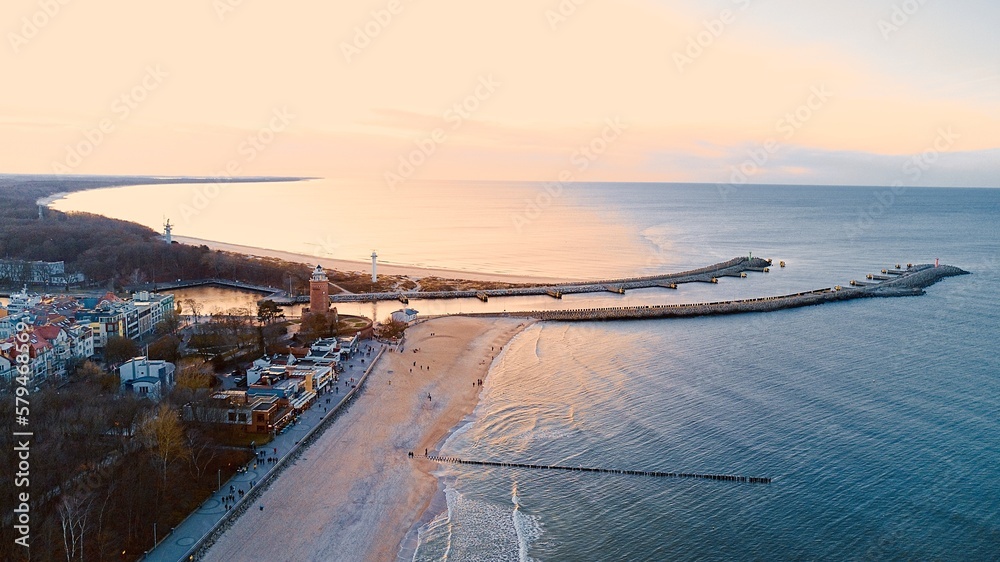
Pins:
<point x="877" y="420"/>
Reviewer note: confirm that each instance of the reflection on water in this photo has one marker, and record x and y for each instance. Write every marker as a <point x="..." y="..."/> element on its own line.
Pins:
<point x="215" y="299"/>
<point x="462" y="226"/>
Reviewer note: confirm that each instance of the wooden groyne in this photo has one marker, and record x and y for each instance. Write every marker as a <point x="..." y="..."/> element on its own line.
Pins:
<point x="911" y="283"/>
<point x="653" y="473"/>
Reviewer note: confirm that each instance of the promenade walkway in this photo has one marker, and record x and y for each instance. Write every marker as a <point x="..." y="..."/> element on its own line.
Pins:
<point x="180" y="543"/>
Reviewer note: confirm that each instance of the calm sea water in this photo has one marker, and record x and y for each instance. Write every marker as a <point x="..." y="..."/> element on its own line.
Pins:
<point x="878" y="420"/>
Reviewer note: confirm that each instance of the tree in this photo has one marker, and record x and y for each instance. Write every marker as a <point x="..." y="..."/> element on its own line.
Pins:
<point x="90" y="374"/>
<point x="169" y="325"/>
<point x="271" y="336"/>
<point x="268" y="311"/>
<point x="201" y="451"/>
<point x="318" y="325"/>
<point x="193" y="379"/>
<point x="74" y="510"/>
<point x="392" y="329"/>
<point x="166" y="348"/>
<point x="163" y="434"/>
<point x="119" y="350"/>
<point x="195" y="307"/>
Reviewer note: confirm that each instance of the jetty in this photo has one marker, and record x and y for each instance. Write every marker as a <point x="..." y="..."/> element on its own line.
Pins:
<point x="735" y="267"/>
<point x="652" y="473"/>
<point x="910" y="282"/>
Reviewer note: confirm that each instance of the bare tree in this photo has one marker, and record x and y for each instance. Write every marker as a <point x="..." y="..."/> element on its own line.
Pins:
<point x="201" y="452"/>
<point x="163" y="434"/>
<point x="74" y="510"/>
<point x="195" y="307"/>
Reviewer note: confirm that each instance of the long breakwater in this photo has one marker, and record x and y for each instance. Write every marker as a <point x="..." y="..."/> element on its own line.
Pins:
<point x="909" y="282"/>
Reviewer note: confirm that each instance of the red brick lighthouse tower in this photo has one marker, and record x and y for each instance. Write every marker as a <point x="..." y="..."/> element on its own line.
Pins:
<point x="319" y="292"/>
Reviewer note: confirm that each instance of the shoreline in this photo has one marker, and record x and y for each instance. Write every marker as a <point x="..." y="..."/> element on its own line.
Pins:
<point x="412" y="271"/>
<point x="438" y="503"/>
<point x="354" y="493"/>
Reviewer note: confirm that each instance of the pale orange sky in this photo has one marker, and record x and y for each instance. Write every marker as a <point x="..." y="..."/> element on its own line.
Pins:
<point x="200" y="76"/>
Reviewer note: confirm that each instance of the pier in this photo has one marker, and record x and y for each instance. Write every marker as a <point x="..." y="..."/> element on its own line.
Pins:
<point x="652" y="473"/>
<point x="911" y="283"/>
<point x="709" y="274"/>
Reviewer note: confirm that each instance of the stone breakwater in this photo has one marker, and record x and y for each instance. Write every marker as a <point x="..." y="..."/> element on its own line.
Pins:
<point x="733" y="267"/>
<point x="910" y="282"/>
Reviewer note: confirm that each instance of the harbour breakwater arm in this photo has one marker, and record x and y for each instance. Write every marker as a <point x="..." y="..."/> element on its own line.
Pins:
<point x="730" y="268"/>
<point x="911" y="282"/>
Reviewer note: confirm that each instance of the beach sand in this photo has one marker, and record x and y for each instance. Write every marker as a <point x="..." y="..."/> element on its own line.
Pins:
<point x="383" y="268"/>
<point x="355" y="494"/>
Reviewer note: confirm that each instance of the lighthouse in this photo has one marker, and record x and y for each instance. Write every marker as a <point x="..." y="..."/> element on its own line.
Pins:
<point x="167" y="228"/>
<point x="319" y="292"/>
<point x="374" y="267"/>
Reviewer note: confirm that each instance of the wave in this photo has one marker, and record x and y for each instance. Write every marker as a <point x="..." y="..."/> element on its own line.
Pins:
<point x="475" y="529"/>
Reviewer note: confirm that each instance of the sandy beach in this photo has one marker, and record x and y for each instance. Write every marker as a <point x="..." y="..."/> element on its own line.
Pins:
<point x="355" y="494"/>
<point x="383" y="268"/>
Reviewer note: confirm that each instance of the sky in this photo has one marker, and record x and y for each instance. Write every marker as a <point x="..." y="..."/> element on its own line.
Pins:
<point x="855" y="92"/>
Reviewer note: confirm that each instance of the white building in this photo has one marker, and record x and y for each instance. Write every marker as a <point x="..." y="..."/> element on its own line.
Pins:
<point x="145" y="377"/>
<point x="9" y="322"/>
<point x="151" y="309"/>
<point x="406" y="315"/>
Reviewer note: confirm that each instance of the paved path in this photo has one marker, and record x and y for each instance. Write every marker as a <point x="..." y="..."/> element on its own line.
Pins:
<point x="175" y="546"/>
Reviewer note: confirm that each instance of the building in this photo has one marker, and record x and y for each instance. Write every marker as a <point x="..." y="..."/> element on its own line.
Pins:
<point x="41" y="358"/>
<point x="37" y="272"/>
<point x="134" y="319"/>
<point x="255" y="414"/>
<point x="62" y="347"/>
<point x="406" y="315"/>
<point x="9" y="322"/>
<point x="108" y="316"/>
<point x="145" y="377"/>
<point x="319" y="292"/>
<point x="82" y="340"/>
<point x="151" y="309"/>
